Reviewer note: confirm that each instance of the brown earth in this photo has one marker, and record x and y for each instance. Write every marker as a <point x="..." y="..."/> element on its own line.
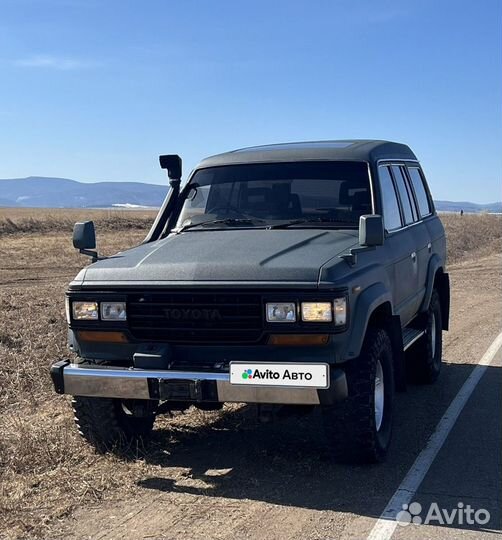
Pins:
<point x="205" y="475"/>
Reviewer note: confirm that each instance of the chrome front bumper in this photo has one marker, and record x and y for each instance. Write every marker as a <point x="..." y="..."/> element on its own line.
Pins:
<point x="135" y="383"/>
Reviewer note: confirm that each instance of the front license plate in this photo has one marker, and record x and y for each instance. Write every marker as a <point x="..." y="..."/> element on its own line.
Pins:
<point x="270" y="374"/>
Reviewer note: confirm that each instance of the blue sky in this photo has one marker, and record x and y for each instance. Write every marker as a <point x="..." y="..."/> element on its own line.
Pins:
<point x="96" y="90"/>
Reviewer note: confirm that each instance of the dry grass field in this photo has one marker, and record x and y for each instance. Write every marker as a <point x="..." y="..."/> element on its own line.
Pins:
<point x="46" y="471"/>
<point x="42" y="220"/>
<point x="472" y="235"/>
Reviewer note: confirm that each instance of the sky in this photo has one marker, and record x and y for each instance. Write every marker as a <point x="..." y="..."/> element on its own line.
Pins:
<point x="95" y="90"/>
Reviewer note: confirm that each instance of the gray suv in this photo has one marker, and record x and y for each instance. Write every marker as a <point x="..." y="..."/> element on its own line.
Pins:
<point x="297" y="275"/>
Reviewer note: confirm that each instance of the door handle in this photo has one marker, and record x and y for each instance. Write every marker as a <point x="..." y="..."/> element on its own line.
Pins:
<point x="413" y="256"/>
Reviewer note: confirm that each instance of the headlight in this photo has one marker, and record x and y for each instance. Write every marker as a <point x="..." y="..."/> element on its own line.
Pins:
<point x="326" y="311"/>
<point x="340" y="311"/>
<point x="85" y="311"/>
<point x="281" y="312"/>
<point x="113" y="311"/>
<point x="317" y="311"/>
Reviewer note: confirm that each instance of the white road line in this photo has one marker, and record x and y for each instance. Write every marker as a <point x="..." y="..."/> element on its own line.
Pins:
<point x="386" y="524"/>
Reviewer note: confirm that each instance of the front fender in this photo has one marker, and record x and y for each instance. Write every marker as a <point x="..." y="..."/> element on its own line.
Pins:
<point x="366" y="303"/>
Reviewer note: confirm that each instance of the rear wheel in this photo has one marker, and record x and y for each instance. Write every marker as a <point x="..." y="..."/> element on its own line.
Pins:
<point x="110" y="424"/>
<point x="359" y="429"/>
<point x="426" y="354"/>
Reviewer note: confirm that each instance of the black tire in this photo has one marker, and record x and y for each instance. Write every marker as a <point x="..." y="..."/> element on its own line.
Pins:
<point x="350" y="426"/>
<point x="105" y="424"/>
<point x="426" y="358"/>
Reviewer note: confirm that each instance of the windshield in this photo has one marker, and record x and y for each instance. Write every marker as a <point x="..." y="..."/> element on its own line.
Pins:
<point x="257" y="195"/>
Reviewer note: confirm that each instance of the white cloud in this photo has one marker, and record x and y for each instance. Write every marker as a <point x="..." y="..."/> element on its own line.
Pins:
<point x="63" y="63"/>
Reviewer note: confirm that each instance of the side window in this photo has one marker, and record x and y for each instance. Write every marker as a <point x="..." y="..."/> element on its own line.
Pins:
<point x="420" y="192"/>
<point x="390" y="206"/>
<point x="403" y="194"/>
<point x="409" y="189"/>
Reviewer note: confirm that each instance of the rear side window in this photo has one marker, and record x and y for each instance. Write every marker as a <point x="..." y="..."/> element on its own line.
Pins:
<point x="390" y="206"/>
<point x="420" y="192"/>
<point x="404" y="195"/>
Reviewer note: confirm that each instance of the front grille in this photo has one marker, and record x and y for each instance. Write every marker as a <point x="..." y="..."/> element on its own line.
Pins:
<point x="196" y="317"/>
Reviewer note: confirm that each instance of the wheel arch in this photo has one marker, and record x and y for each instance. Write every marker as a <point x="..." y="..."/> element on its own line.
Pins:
<point x="376" y="304"/>
<point x="438" y="279"/>
<point x="373" y="304"/>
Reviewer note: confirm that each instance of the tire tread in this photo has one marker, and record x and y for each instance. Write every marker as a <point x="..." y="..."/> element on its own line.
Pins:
<point x="350" y="425"/>
<point x="102" y="423"/>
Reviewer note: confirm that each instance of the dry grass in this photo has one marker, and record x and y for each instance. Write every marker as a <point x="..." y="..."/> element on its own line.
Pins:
<point x="37" y="220"/>
<point x="45" y="470"/>
<point x="472" y="235"/>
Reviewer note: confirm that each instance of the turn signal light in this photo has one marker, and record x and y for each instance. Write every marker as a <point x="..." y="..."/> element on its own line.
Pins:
<point x="298" y="340"/>
<point x="102" y="337"/>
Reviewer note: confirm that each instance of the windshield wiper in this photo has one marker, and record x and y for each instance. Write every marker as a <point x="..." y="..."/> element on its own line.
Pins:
<point x="226" y="221"/>
<point x="310" y="220"/>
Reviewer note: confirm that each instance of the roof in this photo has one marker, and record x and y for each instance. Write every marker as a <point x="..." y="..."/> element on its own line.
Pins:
<point x="351" y="150"/>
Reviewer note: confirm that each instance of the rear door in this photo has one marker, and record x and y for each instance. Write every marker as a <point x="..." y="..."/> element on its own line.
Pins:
<point x="423" y="240"/>
<point x="436" y="239"/>
<point x="417" y="232"/>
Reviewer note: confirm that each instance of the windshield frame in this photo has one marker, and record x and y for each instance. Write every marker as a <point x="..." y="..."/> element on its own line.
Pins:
<point x="187" y="185"/>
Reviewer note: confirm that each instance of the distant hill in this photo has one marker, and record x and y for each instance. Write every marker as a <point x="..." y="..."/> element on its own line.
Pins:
<point x="42" y="192"/>
<point x="450" y="206"/>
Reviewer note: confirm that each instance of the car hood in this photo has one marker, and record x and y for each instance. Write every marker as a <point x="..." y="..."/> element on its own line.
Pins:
<point x="249" y="255"/>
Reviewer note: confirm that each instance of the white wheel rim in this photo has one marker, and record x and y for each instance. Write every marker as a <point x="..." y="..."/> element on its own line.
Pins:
<point x="433" y="335"/>
<point x="379" y="395"/>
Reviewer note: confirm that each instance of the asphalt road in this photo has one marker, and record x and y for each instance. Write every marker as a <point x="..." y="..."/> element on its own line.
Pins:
<point x="242" y="479"/>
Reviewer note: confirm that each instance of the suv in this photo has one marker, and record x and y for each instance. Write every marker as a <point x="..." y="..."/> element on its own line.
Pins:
<point x="292" y="274"/>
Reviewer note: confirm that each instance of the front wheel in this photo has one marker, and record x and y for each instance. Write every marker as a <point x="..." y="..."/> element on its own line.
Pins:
<point x="110" y="424"/>
<point x="358" y="430"/>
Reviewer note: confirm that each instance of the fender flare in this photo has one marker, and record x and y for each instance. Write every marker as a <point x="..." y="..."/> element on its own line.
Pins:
<point x="435" y="264"/>
<point x="370" y="299"/>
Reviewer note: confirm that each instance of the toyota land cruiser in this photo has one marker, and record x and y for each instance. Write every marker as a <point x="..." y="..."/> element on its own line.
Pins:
<point x="292" y="274"/>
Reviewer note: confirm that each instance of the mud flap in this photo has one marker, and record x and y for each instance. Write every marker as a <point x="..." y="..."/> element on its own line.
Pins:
<point x="444" y="296"/>
<point x="338" y="389"/>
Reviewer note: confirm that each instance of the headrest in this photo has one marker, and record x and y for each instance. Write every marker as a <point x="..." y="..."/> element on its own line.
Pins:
<point x="353" y="194"/>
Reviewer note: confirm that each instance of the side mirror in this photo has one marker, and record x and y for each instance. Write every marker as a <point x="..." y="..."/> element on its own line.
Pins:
<point x="172" y="163"/>
<point x="371" y="232"/>
<point x="84" y="235"/>
<point x="84" y="239"/>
